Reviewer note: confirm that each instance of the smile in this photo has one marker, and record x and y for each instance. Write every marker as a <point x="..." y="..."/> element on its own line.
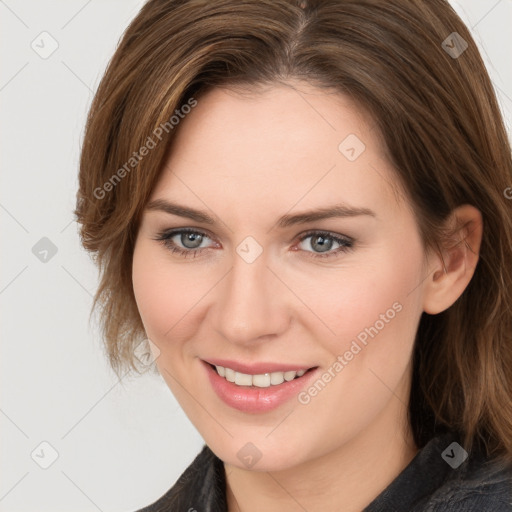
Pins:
<point x="263" y="380"/>
<point x="261" y="391"/>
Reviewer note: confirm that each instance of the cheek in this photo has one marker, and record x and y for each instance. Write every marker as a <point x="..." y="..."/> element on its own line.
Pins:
<point x="374" y="316"/>
<point x="163" y="293"/>
<point x="373" y="304"/>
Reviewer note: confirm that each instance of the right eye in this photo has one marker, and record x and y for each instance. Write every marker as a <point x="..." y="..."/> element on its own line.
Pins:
<point x="185" y="242"/>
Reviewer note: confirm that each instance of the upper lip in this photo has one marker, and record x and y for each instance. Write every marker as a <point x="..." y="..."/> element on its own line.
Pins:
<point x="257" y="368"/>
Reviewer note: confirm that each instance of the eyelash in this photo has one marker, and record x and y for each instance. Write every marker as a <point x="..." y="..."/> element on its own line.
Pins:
<point x="346" y="244"/>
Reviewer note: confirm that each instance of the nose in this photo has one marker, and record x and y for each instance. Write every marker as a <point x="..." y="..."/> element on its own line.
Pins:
<point x="251" y="304"/>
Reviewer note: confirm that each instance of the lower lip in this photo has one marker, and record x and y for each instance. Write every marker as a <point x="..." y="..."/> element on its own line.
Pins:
<point x="254" y="399"/>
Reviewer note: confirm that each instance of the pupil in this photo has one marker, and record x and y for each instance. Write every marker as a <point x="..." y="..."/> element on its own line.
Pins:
<point x="189" y="240"/>
<point x="321" y="244"/>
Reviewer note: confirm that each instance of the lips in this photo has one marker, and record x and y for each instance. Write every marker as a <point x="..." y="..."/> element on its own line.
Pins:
<point x="250" y="399"/>
<point x="257" y="368"/>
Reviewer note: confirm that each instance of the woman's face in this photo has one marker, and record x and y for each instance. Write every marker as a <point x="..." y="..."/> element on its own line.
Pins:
<point x="273" y="273"/>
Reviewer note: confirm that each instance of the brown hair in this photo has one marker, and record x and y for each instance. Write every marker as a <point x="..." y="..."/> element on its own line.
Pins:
<point x="435" y="110"/>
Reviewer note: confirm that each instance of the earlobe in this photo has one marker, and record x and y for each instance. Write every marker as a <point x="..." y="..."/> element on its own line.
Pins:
<point x="451" y="270"/>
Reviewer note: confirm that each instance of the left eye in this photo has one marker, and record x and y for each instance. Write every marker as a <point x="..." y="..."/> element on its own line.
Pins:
<point x="324" y="243"/>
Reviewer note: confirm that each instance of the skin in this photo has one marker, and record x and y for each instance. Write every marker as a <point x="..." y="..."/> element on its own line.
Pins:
<point x="246" y="160"/>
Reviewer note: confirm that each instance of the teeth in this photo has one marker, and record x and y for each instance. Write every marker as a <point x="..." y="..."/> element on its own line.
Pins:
<point x="276" y="378"/>
<point x="242" y="379"/>
<point x="261" y="381"/>
<point x="289" y="375"/>
<point x="230" y="375"/>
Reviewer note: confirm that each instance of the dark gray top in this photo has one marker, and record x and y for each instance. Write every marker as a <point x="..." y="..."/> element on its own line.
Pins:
<point x="438" y="479"/>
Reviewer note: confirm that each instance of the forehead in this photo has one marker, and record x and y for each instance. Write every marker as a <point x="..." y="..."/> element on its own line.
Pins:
<point x="280" y="144"/>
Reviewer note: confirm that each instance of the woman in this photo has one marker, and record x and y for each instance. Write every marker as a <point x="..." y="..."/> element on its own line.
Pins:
<point x="301" y="210"/>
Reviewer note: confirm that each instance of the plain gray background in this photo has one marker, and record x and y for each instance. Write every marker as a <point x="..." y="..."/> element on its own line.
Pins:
<point x="118" y="445"/>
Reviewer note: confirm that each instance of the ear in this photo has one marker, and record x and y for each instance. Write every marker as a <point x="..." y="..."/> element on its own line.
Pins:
<point x="450" y="272"/>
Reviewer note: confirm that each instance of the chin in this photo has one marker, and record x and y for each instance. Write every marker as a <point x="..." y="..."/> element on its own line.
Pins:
<point x="258" y="455"/>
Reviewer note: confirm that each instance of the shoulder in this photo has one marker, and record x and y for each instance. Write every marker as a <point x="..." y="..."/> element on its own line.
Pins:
<point x="480" y="485"/>
<point x="201" y="487"/>
<point x="443" y="477"/>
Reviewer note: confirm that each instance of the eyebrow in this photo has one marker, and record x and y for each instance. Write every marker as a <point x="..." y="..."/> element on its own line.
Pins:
<point x="338" y="210"/>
